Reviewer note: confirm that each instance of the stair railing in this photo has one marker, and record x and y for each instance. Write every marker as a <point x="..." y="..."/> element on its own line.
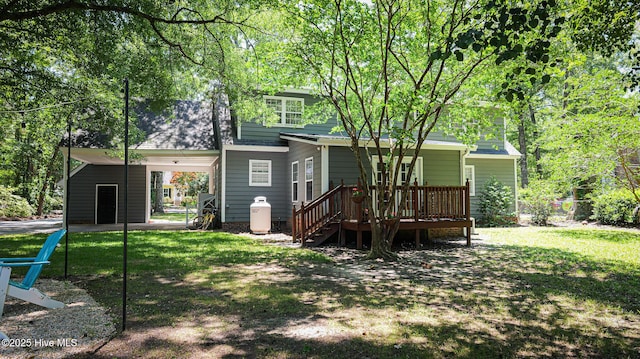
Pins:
<point x="313" y="216"/>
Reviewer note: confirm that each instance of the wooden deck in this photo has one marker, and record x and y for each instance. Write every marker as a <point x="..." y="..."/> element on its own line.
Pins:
<point x="426" y="207"/>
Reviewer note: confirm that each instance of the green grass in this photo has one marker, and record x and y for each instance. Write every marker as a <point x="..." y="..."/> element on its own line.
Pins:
<point x="172" y="216"/>
<point x="521" y="292"/>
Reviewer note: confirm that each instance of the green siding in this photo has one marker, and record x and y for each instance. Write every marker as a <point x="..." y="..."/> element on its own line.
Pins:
<point x="299" y="152"/>
<point x="502" y="169"/>
<point x="82" y="192"/>
<point x="239" y="195"/>
<point x="343" y="166"/>
<point x="256" y="131"/>
<point x="440" y="167"/>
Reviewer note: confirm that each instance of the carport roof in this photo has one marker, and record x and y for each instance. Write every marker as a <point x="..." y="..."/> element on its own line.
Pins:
<point x="183" y="135"/>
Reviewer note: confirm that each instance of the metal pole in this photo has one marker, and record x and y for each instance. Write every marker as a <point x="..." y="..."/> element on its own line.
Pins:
<point x="126" y="203"/>
<point x="66" y="206"/>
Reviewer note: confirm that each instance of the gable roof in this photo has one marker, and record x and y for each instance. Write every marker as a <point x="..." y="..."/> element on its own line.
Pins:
<point x="185" y="125"/>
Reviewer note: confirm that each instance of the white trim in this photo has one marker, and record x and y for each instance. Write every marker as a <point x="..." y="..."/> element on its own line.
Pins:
<point x="297" y="139"/>
<point x="418" y="169"/>
<point x="296" y="90"/>
<point x="269" y="173"/>
<point x="283" y="110"/>
<point x="306" y="193"/>
<point x="95" y="204"/>
<point x="472" y="180"/>
<point x="223" y="187"/>
<point x="482" y="156"/>
<point x="239" y="131"/>
<point x="79" y="168"/>
<point x="324" y="168"/>
<point x="515" y="185"/>
<point x="249" y="148"/>
<point x="295" y="180"/>
<point x="384" y="143"/>
<point x="147" y="187"/>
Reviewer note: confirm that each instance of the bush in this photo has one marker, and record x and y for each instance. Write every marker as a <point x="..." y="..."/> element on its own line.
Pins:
<point x="537" y="199"/>
<point x="615" y="207"/>
<point x="12" y="205"/>
<point x="53" y="203"/>
<point x="495" y="203"/>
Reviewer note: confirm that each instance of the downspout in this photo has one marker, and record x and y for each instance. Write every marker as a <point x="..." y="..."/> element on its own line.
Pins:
<point x="324" y="168"/>
<point x="463" y="163"/>
<point x="223" y="186"/>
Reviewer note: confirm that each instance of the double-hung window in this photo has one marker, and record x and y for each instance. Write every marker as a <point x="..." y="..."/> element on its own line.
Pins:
<point x="289" y="109"/>
<point x="294" y="181"/>
<point x="308" y="178"/>
<point x="416" y="175"/>
<point x="260" y="173"/>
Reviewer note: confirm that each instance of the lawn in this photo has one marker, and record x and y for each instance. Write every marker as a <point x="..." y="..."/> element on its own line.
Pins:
<point x="520" y="292"/>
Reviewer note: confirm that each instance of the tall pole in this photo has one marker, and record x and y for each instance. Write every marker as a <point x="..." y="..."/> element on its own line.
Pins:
<point x="66" y="199"/>
<point x="126" y="203"/>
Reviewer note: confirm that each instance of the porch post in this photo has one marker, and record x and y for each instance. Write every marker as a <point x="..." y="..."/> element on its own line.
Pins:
<point x="468" y="212"/>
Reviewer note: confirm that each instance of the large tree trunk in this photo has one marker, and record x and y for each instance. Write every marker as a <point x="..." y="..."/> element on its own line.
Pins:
<point x="536" y="151"/>
<point x="382" y="235"/>
<point x="45" y="183"/>
<point x="522" y="141"/>
<point x="158" y="205"/>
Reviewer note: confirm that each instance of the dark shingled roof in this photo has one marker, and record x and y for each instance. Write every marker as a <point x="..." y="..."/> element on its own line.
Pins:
<point x="185" y="125"/>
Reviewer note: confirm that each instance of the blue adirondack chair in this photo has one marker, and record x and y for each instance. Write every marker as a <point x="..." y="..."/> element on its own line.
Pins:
<point x="24" y="290"/>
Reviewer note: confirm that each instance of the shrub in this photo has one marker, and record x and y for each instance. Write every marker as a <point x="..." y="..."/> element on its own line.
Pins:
<point x="615" y="207"/>
<point x="12" y="205"/>
<point x="537" y="199"/>
<point x="53" y="203"/>
<point x="495" y="203"/>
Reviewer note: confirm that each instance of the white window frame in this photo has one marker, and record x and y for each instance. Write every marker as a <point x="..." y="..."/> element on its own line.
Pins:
<point x="472" y="180"/>
<point x="417" y="170"/>
<point x="295" y="181"/>
<point x="252" y="181"/>
<point x="308" y="178"/>
<point x="283" y="112"/>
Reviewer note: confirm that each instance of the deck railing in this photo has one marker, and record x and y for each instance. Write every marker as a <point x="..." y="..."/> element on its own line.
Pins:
<point x="311" y="217"/>
<point x="423" y="203"/>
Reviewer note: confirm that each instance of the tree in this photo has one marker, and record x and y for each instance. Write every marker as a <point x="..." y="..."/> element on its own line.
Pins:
<point x="390" y="70"/>
<point x="594" y="129"/>
<point x="156" y="183"/>
<point x="65" y="61"/>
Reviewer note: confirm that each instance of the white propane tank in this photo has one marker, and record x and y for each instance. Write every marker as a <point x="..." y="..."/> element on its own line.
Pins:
<point x="260" y="220"/>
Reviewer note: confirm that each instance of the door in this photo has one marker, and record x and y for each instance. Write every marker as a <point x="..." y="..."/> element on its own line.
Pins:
<point x="106" y="204"/>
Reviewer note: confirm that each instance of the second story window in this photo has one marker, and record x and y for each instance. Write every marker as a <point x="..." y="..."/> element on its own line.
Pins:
<point x="289" y="109"/>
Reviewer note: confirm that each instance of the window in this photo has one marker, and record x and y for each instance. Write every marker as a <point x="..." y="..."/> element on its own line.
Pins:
<point x="260" y="173"/>
<point x="288" y="108"/>
<point x="470" y="174"/>
<point x="308" y="178"/>
<point x="294" y="181"/>
<point x="167" y="192"/>
<point x="416" y="175"/>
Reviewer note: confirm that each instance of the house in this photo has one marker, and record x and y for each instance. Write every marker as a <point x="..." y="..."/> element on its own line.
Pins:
<point x="179" y="139"/>
<point x="288" y="162"/>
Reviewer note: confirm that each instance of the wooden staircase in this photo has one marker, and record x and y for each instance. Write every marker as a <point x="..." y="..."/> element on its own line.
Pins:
<point x="317" y="221"/>
<point x="324" y="233"/>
